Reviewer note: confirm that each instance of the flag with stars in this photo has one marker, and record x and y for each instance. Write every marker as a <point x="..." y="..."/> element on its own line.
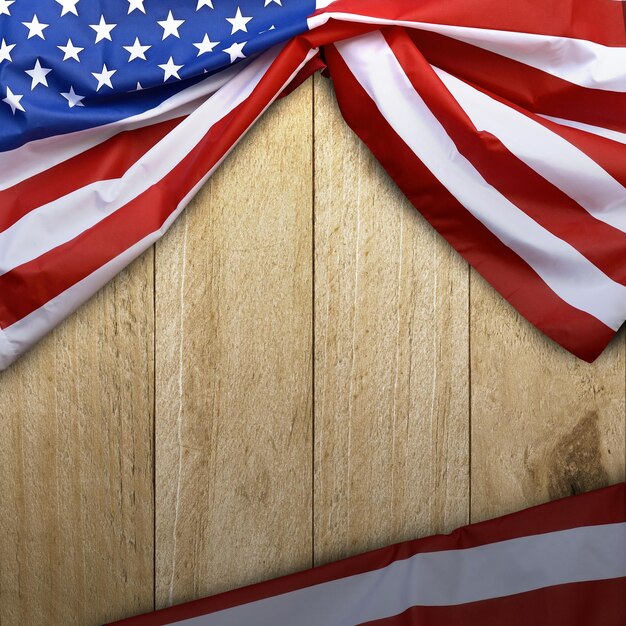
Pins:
<point x="504" y="124"/>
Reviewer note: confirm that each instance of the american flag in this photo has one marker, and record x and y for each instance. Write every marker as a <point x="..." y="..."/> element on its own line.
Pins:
<point x="504" y="124"/>
<point x="557" y="564"/>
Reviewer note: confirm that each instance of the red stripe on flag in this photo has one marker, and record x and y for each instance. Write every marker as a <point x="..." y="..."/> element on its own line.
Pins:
<point x="600" y="21"/>
<point x="597" y="603"/>
<point x="106" y="161"/>
<point x="577" y="331"/>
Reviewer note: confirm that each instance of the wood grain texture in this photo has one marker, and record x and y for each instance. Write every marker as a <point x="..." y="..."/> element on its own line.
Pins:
<point x="234" y="392"/>
<point x="76" y="544"/>
<point x="545" y="425"/>
<point x="391" y="356"/>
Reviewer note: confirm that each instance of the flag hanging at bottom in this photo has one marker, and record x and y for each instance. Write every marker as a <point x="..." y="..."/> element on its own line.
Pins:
<point x="561" y="563"/>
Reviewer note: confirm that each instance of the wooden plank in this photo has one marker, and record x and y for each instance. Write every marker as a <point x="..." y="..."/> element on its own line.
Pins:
<point x="76" y="543"/>
<point x="391" y="356"/>
<point x="234" y="317"/>
<point x="544" y="424"/>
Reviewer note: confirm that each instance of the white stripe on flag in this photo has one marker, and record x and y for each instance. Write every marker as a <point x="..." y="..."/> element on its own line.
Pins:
<point x="556" y="159"/>
<point x="445" y="578"/>
<point x="565" y="270"/>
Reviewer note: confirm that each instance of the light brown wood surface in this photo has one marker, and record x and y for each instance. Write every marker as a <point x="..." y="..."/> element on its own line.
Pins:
<point x="234" y="363"/>
<point x="302" y="369"/>
<point x="76" y="444"/>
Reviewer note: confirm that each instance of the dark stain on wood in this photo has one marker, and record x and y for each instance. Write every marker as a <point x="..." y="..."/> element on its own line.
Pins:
<point x="575" y="463"/>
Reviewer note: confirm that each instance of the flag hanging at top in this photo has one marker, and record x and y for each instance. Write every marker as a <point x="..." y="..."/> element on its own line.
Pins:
<point x="503" y="123"/>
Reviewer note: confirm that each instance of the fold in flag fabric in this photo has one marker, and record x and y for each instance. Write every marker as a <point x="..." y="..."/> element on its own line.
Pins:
<point x="561" y="563"/>
<point x="504" y="123"/>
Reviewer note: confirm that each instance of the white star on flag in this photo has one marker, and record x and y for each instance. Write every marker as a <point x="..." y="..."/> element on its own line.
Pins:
<point x="267" y="2"/>
<point x="38" y="75"/>
<point x="103" y="30"/>
<point x="5" y="51"/>
<point x="206" y="45"/>
<point x="70" y="51"/>
<point x="235" y="51"/>
<point x="4" y="6"/>
<point x="13" y="100"/>
<point x="238" y="22"/>
<point x="170" y="26"/>
<point x="204" y="3"/>
<point x="69" y="6"/>
<point x="104" y="77"/>
<point x="35" y="28"/>
<point x="73" y="99"/>
<point x="136" y="4"/>
<point x="171" y="69"/>
<point x="137" y="51"/>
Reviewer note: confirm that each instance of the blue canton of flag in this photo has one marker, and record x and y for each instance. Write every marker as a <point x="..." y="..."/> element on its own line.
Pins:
<point x="67" y="65"/>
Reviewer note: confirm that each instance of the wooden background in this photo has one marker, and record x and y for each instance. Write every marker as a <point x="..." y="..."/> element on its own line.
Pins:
<point x="302" y="369"/>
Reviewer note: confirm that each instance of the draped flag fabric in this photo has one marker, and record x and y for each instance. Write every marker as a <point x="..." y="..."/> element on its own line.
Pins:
<point x="503" y="122"/>
<point x="558" y="564"/>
